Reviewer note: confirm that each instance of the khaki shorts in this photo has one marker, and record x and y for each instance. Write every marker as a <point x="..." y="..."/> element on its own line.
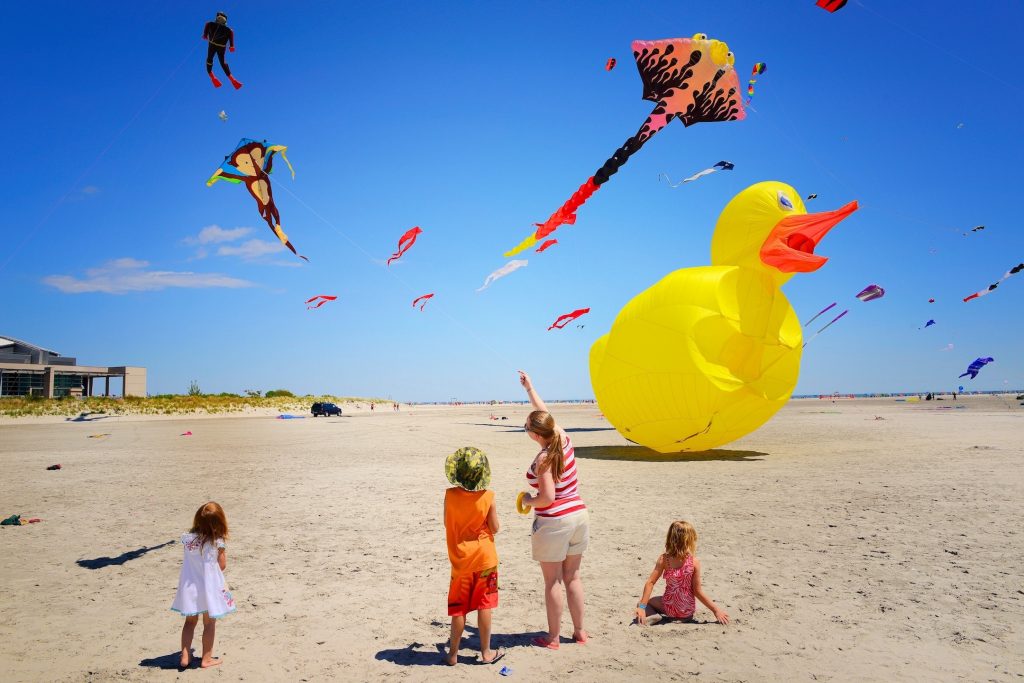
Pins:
<point x="555" y="538"/>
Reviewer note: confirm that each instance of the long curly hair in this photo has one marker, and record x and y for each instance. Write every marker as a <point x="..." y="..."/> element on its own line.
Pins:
<point x="681" y="540"/>
<point x="542" y="424"/>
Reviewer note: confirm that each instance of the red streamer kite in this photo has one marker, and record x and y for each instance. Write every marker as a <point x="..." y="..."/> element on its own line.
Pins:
<point x="424" y="299"/>
<point x="564" y="320"/>
<point x="408" y="239"/>
<point x="690" y="79"/>
<point x="548" y="243"/>
<point x="323" y="298"/>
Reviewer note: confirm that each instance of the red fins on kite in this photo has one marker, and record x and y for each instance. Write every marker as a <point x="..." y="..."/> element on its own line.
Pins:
<point x="548" y="243"/>
<point x="424" y="299"/>
<point x="407" y="240"/>
<point x="567" y="318"/>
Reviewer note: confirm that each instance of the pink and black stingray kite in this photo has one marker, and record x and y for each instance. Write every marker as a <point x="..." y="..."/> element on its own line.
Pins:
<point x="424" y="299"/>
<point x="690" y="79"/>
<point x="564" y="320"/>
<point x="320" y="299"/>
<point x="407" y="240"/>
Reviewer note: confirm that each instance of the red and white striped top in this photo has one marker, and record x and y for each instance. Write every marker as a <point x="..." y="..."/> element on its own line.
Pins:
<point x="567" y="491"/>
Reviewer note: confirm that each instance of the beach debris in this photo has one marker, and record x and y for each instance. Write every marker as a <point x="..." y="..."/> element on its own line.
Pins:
<point x="720" y="166"/>
<point x="1010" y="273"/>
<point x="505" y="671"/>
<point x="547" y="243"/>
<point x="975" y="367"/>
<point x="223" y="115"/>
<point x="54" y="467"/>
<point x="219" y="37"/>
<point x="320" y="299"/>
<point x="759" y="68"/>
<point x="287" y="416"/>
<point x="251" y="163"/>
<point x="99" y="436"/>
<point x="690" y="79"/>
<point x="425" y="298"/>
<point x="16" y="520"/>
<point x="831" y="6"/>
<point x="870" y="293"/>
<point x="186" y="434"/>
<point x="567" y="318"/>
<point x="610" y="64"/>
<point x="509" y="267"/>
<point x="927" y="325"/>
<point x="405" y="242"/>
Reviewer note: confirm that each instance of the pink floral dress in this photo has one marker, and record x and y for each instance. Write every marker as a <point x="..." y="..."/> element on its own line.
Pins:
<point x="678" y="598"/>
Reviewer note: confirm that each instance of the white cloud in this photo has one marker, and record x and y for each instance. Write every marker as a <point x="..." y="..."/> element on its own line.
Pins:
<point x="132" y="275"/>
<point x="90" y="189"/>
<point x="214" y="234"/>
<point x="251" y="249"/>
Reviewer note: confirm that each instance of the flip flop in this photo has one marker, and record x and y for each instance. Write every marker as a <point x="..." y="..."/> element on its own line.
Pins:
<point x="544" y="642"/>
<point x="498" y="654"/>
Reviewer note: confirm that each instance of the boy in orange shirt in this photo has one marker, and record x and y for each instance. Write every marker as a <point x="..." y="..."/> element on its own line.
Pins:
<point x="470" y="522"/>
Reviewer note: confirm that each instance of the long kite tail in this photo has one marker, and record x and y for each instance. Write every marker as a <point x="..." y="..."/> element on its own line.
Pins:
<point x="566" y="215"/>
<point x="826" y="326"/>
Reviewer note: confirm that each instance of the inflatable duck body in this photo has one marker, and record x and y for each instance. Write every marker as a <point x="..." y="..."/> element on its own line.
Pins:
<point x="709" y="354"/>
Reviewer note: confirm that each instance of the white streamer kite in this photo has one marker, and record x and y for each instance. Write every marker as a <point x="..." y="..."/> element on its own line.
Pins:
<point x="720" y="166"/>
<point x="502" y="272"/>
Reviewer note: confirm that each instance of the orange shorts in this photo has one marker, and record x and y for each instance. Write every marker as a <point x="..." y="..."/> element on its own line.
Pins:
<point x="470" y="592"/>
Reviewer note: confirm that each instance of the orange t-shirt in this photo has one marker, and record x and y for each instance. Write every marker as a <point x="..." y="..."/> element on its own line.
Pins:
<point x="470" y="541"/>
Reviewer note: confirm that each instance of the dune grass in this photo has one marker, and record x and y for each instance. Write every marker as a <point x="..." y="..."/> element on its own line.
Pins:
<point x="167" y="404"/>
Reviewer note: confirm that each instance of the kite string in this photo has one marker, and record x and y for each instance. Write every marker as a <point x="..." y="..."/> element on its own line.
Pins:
<point x="472" y="333"/>
<point x="99" y="157"/>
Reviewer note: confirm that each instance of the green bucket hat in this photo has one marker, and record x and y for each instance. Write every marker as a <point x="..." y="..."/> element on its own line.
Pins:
<point x="468" y="468"/>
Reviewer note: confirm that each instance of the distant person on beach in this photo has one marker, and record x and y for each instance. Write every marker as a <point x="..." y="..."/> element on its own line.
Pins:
<point x="201" y="585"/>
<point x="371" y="407"/>
<point x="681" y="570"/>
<point x="470" y="522"/>
<point x="561" y="523"/>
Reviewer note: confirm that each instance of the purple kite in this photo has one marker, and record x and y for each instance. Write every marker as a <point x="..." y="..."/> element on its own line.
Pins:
<point x="974" y="368"/>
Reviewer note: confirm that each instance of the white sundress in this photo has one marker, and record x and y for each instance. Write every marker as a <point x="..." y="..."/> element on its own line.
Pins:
<point x="201" y="586"/>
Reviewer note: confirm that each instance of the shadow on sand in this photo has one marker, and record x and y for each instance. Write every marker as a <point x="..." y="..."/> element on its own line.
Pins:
<point x="469" y="649"/>
<point x="87" y="417"/>
<point x="640" y="453"/>
<point x="170" y="662"/>
<point x="101" y="562"/>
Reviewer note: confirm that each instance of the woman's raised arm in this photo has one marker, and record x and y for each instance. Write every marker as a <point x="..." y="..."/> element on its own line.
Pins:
<point x="535" y="400"/>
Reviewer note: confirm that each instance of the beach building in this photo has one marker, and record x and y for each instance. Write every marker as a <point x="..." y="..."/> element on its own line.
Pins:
<point x="30" y="370"/>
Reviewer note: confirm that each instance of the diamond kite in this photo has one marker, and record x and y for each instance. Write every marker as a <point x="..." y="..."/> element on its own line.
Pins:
<point x="320" y="299"/>
<point x="219" y="35"/>
<point x="720" y="166"/>
<point x="502" y="272"/>
<point x="406" y="241"/>
<point x="831" y="5"/>
<point x="690" y="79"/>
<point x="610" y="64"/>
<point x="974" y="368"/>
<point x="425" y="298"/>
<point x="251" y="163"/>
<point x="1010" y="273"/>
<point x="564" y="320"/>
<point x="547" y="243"/>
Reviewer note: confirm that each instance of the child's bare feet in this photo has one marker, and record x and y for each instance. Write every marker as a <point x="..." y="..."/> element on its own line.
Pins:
<point x="452" y="658"/>
<point x="186" y="659"/>
<point x="210" y="661"/>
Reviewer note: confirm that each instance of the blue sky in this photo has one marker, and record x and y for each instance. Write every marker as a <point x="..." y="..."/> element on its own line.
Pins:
<point x="474" y="120"/>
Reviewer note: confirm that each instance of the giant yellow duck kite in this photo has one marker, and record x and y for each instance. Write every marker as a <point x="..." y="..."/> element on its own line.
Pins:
<point x="709" y="354"/>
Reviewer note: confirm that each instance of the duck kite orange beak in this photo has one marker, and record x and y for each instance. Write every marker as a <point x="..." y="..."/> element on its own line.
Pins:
<point x="790" y="245"/>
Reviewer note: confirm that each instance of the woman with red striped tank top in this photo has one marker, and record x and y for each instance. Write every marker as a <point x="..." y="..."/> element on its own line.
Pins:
<point x="561" y="524"/>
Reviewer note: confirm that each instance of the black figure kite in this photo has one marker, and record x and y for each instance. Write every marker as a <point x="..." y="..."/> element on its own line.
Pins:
<point x="251" y="163"/>
<point x="690" y="79"/>
<point x="219" y="37"/>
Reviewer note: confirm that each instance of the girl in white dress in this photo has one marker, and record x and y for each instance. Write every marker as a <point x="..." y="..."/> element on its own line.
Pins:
<point x="201" y="586"/>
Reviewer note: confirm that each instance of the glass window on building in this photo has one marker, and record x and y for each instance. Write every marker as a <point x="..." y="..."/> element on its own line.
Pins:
<point x="19" y="383"/>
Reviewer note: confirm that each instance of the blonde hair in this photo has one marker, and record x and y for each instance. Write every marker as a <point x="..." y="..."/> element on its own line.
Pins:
<point x="681" y="540"/>
<point x="210" y="523"/>
<point x="542" y="424"/>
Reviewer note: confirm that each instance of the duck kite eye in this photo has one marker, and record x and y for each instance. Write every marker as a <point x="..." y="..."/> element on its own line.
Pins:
<point x="730" y="58"/>
<point x="700" y="36"/>
<point x="784" y="202"/>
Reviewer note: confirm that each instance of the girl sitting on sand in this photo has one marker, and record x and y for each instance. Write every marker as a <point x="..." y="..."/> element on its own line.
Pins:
<point x="201" y="586"/>
<point x="682" y="581"/>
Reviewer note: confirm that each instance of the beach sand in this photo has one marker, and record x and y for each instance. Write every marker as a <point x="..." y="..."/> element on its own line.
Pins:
<point x="844" y="547"/>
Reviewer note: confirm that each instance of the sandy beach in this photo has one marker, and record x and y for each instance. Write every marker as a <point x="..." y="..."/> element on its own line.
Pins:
<point x="843" y="546"/>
